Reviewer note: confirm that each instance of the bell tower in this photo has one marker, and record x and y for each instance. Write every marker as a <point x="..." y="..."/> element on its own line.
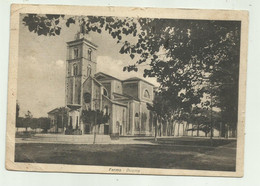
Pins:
<point x="81" y="63"/>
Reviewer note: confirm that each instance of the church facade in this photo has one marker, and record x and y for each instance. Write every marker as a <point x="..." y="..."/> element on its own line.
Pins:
<point x="124" y="101"/>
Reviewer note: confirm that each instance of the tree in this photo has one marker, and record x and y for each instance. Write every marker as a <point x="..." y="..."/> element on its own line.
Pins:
<point x="160" y="108"/>
<point x="17" y="121"/>
<point x="20" y="122"/>
<point x="28" y="120"/>
<point x="62" y="118"/>
<point x="181" y="54"/>
<point x="94" y="118"/>
<point x="205" y="120"/>
<point x="44" y="123"/>
<point x="33" y="123"/>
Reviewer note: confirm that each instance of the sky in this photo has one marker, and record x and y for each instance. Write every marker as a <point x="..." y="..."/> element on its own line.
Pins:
<point x="42" y="67"/>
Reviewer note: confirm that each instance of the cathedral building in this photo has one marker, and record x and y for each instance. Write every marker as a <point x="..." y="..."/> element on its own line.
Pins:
<point x="124" y="101"/>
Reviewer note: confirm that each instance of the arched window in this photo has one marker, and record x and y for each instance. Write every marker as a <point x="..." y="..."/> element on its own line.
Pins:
<point x="76" y="53"/>
<point x="89" y="54"/>
<point x="105" y="92"/>
<point x="75" y="69"/>
<point x="89" y="70"/>
<point x="146" y="94"/>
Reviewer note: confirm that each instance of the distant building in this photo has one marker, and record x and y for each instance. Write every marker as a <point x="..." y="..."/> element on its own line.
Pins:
<point x="125" y="101"/>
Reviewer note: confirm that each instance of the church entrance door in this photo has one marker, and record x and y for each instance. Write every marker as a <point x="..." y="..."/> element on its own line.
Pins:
<point x="87" y="129"/>
<point x="120" y="130"/>
<point x="106" y="129"/>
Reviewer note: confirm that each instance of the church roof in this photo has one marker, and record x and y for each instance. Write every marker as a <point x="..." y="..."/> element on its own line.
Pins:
<point x="106" y="75"/>
<point x="137" y="79"/>
<point x="126" y="80"/>
<point x="94" y="80"/>
<point x="58" y="109"/>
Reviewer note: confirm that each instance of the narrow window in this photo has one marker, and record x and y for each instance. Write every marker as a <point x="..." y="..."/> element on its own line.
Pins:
<point x="146" y="94"/>
<point x="75" y="70"/>
<point x="105" y="92"/>
<point x="79" y="98"/>
<point x="89" y="70"/>
<point x="76" y="53"/>
<point x="89" y="54"/>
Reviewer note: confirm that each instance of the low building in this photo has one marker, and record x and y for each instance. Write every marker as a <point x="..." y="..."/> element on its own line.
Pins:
<point x="58" y="120"/>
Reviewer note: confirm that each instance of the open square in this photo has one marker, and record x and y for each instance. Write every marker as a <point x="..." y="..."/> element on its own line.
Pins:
<point x="170" y="153"/>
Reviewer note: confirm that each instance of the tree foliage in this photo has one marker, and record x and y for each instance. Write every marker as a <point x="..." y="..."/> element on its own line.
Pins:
<point x="43" y="24"/>
<point x="94" y="117"/>
<point x="203" y="119"/>
<point x="33" y="123"/>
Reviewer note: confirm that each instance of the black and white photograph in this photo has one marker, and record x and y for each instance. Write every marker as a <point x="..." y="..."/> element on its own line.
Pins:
<point x="116" y="91"/>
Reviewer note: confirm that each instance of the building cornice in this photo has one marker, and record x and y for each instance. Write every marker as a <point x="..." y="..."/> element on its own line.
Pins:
<point x="82" y="40"/>
<point x="78" y="59"/>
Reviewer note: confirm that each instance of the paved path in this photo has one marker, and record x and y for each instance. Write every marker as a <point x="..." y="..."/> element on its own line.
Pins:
<point x="79" y="139"/>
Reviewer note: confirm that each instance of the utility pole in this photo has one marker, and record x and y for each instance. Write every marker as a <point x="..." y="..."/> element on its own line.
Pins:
<point x="156" y="127"/>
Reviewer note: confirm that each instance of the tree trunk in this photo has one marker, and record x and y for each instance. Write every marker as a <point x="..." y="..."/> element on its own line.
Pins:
<point x="160" y="131"/>
<point x="173" y="125"/>
<point x="183" y="129"/>
<point x="170" y="127"/>
<point x="228" y="131"/>
<point x="160" y="124"/>
<point x="192" y="129"/>
<point x="220" y="130"/>
<point x="172" y="131"/>
<point x="186" y="128"/>
<point x="95" y="123"/>
<point x="62" y="124"/>
<point x="155" y="135"/>
<point x="178" y="129"/>
<point x="167" y="128"/>
<point x="198" y="129"/>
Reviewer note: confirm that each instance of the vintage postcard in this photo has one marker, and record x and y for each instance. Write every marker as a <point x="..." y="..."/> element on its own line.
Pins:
<point x="122" y="90"/>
